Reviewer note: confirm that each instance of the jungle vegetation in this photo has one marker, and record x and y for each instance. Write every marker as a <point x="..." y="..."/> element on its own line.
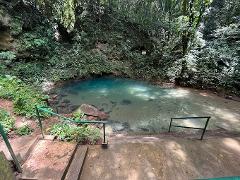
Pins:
<point x="194" y="43"/>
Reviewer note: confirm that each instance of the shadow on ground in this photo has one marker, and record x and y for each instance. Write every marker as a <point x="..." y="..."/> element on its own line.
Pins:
<point x="163" y="158"/>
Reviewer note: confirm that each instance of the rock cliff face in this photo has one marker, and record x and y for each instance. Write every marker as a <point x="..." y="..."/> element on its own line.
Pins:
<point x="18" y="15"/>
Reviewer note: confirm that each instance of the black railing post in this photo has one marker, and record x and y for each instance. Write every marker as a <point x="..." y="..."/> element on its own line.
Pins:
<point x="104" y="144"/>
<point x="104" y="134"/>
<point x="39" y="120"/>
<point x="205" y="127"/>
<point x="170" y="125"/>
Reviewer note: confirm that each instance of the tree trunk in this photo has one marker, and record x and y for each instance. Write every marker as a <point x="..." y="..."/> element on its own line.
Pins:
<point x="184" y="39"/>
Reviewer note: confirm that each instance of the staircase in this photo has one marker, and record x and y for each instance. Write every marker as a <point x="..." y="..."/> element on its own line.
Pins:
<point x="47" y="158"/>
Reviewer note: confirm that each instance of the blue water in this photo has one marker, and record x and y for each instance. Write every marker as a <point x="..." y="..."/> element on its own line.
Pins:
<point x="136" y="106"/>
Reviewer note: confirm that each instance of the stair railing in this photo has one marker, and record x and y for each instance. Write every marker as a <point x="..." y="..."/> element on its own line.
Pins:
<point x="15" y="160"/>
<point x="184" y="118"/>
<point x="44" y="109"/>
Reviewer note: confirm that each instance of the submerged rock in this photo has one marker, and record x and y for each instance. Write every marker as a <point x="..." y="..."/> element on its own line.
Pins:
<point x="73" y="92"/>
<point x="73" y="107"/>
<point x="144" y="129"/>
<point x="119" y="126"/>
<point x="113" y="103"/>
<point x="66" y="101"/>
<point x="62" y="95"/>
<point x="126" y="102"/>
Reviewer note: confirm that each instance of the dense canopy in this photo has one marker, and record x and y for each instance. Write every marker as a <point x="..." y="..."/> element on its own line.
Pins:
<point x="192" y="43"/>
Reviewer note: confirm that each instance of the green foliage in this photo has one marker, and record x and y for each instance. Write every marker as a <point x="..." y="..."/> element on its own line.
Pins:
<point x="83" y="134"/>
<point x="29" y="71"/>
<point x="77" y="62"/>
<point x="24" y="97"/>
<point x="24" y="130"/>
<point x="61" y="10"/>
<point x="78" y="115"/>
<point x="16" y="26"/>
<point x="123" y="27"/>
<point x="7" y="55"/>
<point x="108" y="37"/>
<point x="6" y="121"/>
<point x="214" y="61"/>
<point x="33" y="42"/>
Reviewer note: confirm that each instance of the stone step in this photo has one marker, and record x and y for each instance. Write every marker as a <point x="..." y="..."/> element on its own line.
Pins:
<point x="48" y="160"/>
<point x="75" y="168"/>
<point x="22" y="147"/>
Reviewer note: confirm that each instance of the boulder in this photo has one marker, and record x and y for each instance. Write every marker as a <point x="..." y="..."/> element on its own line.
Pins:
<point x="54" y="96"/>
<point x="168" y="85"/>
<point x="93" y="111"/>
<point x="52" y="101"/>
<point x="92" y="118"/>
<point x="47" y="85"/>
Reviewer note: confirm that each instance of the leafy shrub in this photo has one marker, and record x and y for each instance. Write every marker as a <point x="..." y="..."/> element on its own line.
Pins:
<point x="24" y="97"/>
<point x="76" y="133"/>
<point x="78" y="115"/>
<point x="31" y="41"/>
<point x="16" y="26"/>
<point x="6" y="120"/>
<point x="24" y="130"/>
<point x="215" y="65"/>
<point x="7" y="55"/>
<point x="30" y="72"/>
<point x="77" y="62"/>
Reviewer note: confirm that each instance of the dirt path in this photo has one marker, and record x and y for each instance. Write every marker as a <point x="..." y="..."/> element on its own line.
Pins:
<point x="163" y="158"/>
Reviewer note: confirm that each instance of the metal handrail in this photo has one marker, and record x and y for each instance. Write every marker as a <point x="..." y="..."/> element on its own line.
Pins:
<point x="204" y="128"/>
<point x="5" y="138"/>
<point x="43" y="109"/>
